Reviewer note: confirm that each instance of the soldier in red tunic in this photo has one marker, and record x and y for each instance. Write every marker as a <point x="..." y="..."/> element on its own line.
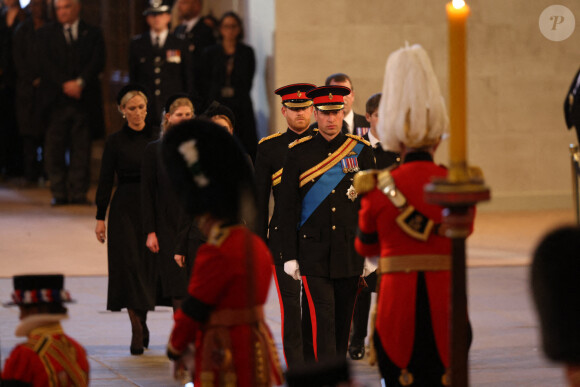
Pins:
<point x="49" y="357"/>
<point x="223" y="317"/>
<point x="412" y="324"/>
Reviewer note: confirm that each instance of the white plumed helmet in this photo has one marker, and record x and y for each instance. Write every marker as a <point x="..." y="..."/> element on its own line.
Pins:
<point x="412" y="110"/>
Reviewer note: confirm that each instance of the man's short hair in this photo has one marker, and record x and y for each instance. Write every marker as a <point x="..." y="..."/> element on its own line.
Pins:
<point x="373" y="103"/>
<point x="338" y="77"/>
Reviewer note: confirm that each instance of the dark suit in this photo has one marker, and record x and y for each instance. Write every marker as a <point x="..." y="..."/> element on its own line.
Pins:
<point x="233" y="90"/>
<point x="70" y="121"/>
<point x="572" y="106"/>
<point x="198" y="38"/>
<point x="360" y="121"/>
<point x="270" y="159"/>
<point x="163" y="71"/>
<point x="324" y="243"/>
<point x="28" y="99"/>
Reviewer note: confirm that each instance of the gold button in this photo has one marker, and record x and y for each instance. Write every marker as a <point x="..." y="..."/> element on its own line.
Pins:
<point x="330" y="154"/>
<point x="304" y="236"/>
<point x="157" y="70"/>
<point x="276" y="228"/>
<point x="333" y="209"/>
<point x="333" y="191"/>
<point x="334" y="227"/>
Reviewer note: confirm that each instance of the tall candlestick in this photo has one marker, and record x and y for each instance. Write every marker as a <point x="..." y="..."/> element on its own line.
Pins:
<point x="457" y="13"/>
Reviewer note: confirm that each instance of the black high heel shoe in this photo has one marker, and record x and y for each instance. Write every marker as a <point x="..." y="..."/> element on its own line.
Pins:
<point x="137" y="338"/>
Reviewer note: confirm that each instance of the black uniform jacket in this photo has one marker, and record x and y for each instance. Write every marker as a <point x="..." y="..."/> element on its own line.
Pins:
<point x="324" y="245"/>
<point x="61" y="62"/>
<point x="384" y="158"/>
<point x="198" y="38"/>
<point x="164" y="71"/>
<point x="270" y="159"/>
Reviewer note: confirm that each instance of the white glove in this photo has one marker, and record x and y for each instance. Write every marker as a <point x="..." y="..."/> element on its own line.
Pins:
<point x="368" y="267"/>
<point x="292" y="269"/>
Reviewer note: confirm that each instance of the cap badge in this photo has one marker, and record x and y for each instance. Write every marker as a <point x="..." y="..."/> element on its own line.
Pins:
<point x="330" y="96"/>
<point x="299" y="93"/>
<point x="156" y="3"/>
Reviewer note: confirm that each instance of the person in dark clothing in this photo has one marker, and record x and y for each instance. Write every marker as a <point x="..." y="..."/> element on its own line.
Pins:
<point x="555" y="288"/>
<point x="227" y="73"/>
<point x="160" y="61"/>
<point x="28" y="98"/>
<point x="319" y="210"/>
<point x="11" y="15"/>
<point x="131" y="277"/>
<point x="272" y="150"/>
<point x="383" y="159"/>
<point x="73" y="55"/>
<point x="194" y="31"/>
<point x="163" y="217"/>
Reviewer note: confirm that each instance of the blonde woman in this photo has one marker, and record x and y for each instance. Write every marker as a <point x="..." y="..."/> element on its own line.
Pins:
<point x="130" y="279"/>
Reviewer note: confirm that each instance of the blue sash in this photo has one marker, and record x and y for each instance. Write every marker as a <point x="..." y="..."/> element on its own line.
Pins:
<point x="323" y="187"/>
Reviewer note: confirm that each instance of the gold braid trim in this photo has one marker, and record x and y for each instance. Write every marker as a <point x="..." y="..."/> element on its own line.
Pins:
<point x="299" y="141"/>
<point x="358" y="138"/>
<point x="270" y="137"/>
<point x="328" y="162"/>
<point x="277" y="177"/>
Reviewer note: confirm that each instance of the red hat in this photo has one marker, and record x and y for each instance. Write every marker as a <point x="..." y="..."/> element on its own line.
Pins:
<point x="328" y="97"/>
<point x="294" y="95"/>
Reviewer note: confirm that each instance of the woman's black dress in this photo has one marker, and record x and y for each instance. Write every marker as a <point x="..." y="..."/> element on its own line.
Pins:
<point x="231" y="86"/>
<point x="131" y="277"/>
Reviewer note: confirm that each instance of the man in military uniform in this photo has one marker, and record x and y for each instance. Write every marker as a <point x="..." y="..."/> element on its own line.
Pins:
<point x="49" y="357"/>
<point x="159" y="60"/>
<point x="383" y="159"/>
<point x="395" y="223"/>
<point x="297" y="109"/>
<point x="223" y="314"/>
<point x="318" y="205"/>
<point x="194" y="31"/>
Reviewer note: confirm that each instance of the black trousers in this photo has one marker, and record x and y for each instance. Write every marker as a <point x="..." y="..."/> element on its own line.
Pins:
<point x="289" y="296"/>
<point x="331" y="303"/>
<point x="360" y="318"/>
<point x="68" y="130"/>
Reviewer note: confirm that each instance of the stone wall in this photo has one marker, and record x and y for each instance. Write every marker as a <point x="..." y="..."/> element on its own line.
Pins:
<point x="517" y="79"/>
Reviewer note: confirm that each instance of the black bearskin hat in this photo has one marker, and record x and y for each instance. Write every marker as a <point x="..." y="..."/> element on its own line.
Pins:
<point x="209" y="170"/>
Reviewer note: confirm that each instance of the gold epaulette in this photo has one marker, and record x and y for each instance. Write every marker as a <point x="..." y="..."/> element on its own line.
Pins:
<point x="358" y="138"/>
<point x="269" y="137"/>
<point x="299" y="141"/>
<point x="365" y="181"/>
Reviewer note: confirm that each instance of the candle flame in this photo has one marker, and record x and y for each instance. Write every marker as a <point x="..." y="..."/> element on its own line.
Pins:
<point x="458" y="4"/>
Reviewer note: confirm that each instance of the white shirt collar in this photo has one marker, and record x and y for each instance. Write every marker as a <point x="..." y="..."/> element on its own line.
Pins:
<point x="373" y="140"/>
<point x="74" y="29"/>
<point x="162" y="37"/>
<point x="349" y="119"/>
<point x="189" y="24"/>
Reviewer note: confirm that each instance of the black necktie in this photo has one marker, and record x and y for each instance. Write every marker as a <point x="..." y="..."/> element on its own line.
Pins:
<point x="70" y="35"/>
<point x="157" y="45"/>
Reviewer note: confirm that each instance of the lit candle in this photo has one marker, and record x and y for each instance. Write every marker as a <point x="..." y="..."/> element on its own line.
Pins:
<point x="457" y="13"/>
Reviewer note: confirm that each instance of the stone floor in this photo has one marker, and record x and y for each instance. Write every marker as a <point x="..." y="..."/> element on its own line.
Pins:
<point x="37" y="238"/>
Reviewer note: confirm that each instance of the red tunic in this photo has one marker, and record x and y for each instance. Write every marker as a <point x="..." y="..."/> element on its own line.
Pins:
<point x="395" y="322"/>
<point x="220" y="282"/>
<point x="48" y="358"/>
